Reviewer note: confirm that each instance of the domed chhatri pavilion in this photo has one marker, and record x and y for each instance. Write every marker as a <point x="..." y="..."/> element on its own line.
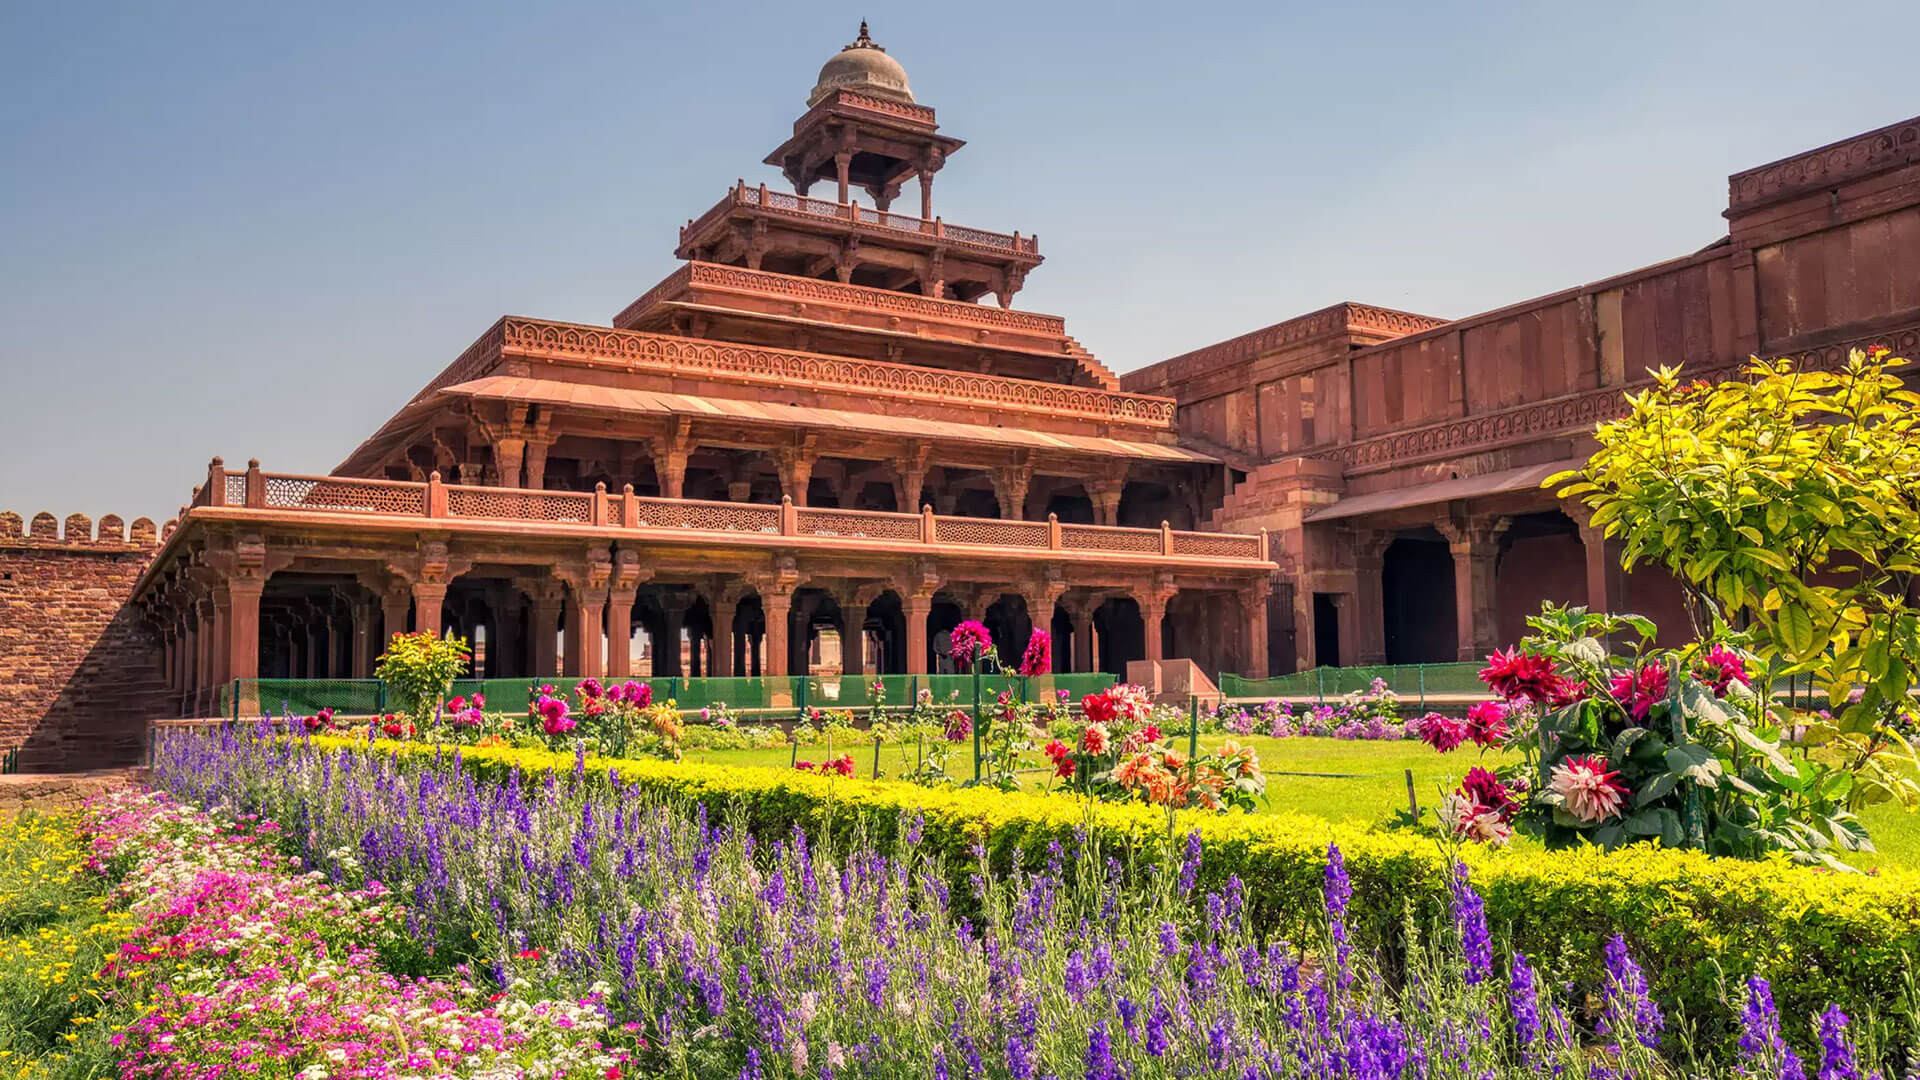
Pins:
<point x="829" y="436"/>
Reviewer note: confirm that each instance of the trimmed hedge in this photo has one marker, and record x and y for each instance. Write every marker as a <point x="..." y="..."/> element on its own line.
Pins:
<point x="1695" y="922"/>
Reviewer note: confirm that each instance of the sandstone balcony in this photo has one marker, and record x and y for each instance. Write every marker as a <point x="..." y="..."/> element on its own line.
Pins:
<point x="455" y="508"/>
<point x="762" y="202"/>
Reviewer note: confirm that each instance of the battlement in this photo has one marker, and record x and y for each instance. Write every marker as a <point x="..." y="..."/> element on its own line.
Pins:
<point x="45" y="531"/>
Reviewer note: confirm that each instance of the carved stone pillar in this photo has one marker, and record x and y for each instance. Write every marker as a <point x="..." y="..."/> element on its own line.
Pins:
<point x="536" y="462"/>
<point x="723" y="608"/>
<point x="1153" y="612"/>
<point x="1253" y="617"/>
<point x="1105" y="492"/>
<point x="796" y="469"/>
<point x="1601" y="569"/>
<point x="243" y="627"/>
<point x="670" y="452"/>
<point x="508" y="454"/>
<point x="778" y="605"/>
<point x="910" y="478"/>
<point x="918" y="608"/>
<point x="428" y="596"/>
<point x="673" y="623"/>
<point x="1082" y="614"/>
<point x="543" y="623"/>
<point x="592" y="609"/>
<point x="620" y="631"/>
<point x="574" y="646"/>
<point x="222" y="635"/>
<point x="1475" y="544"/>
<point x="842" y="162"/>
<point x="929" y="164"/>
<point x="1010" y="485"/>
<point x="203" y="656"/>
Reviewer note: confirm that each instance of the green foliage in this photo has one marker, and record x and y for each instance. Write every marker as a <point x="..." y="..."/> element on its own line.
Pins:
<point x="1698" y="923"/>
<point x="1789" y="499"/>
<point x="1699" y="754"/>
<point x="419" y="670"/>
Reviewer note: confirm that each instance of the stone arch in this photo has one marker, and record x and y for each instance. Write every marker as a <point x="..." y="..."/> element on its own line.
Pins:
<point x="44" y="527"/>
<point x="142" y="531"/>
<point x="112" y="529"/>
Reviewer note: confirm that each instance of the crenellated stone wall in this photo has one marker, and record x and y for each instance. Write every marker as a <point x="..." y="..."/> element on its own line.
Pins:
<point x="80" y="671"/>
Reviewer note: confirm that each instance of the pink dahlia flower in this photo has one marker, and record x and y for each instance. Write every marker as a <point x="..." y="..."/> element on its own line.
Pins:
<point x="1443" y="733"/>
<point x="1640" y="690"/>
<point x="969" y="641"/>
<point x="1519" y="676"/>
<point x="1039" y="655"/>
<point x="1588" y="789"/>
<point x="1487" y="723"/>
<point x="1724" y="668"/>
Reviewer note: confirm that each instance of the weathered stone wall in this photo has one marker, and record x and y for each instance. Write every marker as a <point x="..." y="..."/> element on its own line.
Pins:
<point x="80" y="672"/>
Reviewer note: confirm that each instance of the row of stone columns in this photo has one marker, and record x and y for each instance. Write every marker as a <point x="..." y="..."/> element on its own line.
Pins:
<point x="1474" y="546"/>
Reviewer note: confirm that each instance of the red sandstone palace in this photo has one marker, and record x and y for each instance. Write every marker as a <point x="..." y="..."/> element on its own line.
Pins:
<point x="815" y="439"/>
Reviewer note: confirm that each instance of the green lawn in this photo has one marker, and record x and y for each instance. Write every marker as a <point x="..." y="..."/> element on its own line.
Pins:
<point x="1357" y="781"/>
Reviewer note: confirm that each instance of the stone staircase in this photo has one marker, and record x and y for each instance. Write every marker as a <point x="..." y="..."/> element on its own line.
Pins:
<point x="1101" y="375"/>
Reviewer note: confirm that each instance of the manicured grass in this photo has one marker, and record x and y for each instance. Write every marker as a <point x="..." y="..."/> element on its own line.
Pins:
<point x="1359" y="781"/>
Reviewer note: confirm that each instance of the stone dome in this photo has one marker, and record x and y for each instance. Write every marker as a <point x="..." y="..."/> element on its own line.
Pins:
<point x="864" y="68"/>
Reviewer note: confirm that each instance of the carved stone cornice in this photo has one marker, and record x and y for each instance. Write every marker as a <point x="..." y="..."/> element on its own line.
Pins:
<point x="541" y="339"/>
<point x="1849" y="159"/>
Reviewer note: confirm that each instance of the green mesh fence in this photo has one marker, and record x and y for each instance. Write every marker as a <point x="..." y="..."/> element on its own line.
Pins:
<point x="769" y="696"/>
<point x="1411" y="682"/>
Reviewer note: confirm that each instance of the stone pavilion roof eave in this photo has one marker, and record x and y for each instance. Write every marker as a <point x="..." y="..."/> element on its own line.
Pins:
<point x="1527" y="477"/>
<point x="621" y="401"/>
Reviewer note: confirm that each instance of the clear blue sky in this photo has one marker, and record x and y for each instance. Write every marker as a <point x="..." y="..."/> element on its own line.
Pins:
<point x="255" y="229"/>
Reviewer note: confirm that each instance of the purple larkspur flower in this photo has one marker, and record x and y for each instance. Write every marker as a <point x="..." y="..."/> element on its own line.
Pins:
<point x="1470" y="916"/>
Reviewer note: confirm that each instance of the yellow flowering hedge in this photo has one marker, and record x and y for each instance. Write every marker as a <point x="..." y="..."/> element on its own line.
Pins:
<point x="1819" y="936"/>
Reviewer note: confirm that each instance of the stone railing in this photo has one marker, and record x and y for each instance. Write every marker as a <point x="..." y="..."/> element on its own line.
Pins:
<point x="765" y="199"/>
<point x="814" y="291"/>
<point x="682" y="356"/>
<point x="626" y="511"/>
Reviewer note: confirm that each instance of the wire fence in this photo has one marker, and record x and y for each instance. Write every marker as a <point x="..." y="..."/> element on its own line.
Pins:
<point x="1411" y="682"/>
<point x="770" y="698"/>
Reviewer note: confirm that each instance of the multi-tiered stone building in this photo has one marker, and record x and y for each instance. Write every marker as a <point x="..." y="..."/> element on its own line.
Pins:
<point x="830" y="435"/>
<point x="811" y="431"/>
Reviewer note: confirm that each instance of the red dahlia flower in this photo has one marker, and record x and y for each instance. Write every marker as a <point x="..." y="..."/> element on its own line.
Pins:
<point x="1487" y="723"/>
<point x="1443" y="733"/>
<point x="1518" y="676"/>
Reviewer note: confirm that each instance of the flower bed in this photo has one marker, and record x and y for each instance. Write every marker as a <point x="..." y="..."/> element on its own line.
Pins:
<point x="830" y="946"/>
<point x="222" y="957"/>
<point x="1696" y="921"/>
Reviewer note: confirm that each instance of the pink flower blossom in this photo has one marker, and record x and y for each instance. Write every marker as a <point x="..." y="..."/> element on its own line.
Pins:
<point x="1640" y="690"/>
<point x="1588" y="789"/>
<point x="969" y="642"/>
<point x="1443" y="733"/>
<point x="1487" y="723"/>
<point x="1038" y="659"/>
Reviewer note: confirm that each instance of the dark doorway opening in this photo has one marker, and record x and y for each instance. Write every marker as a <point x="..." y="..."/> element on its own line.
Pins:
<point x="1416" y="590"/>
<point x="1326" y="630"/>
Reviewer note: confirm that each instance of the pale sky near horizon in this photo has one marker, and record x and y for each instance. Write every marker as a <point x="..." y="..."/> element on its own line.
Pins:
<point x="255" y="230"/>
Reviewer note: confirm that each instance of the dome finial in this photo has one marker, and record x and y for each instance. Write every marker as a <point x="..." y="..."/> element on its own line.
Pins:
<point x="863" y="67"/>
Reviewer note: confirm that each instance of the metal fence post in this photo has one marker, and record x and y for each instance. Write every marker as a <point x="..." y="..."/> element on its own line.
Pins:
<point x="1423" y="686"/>
<point x="236" y="699"/>
<point x="1320" y="682"/>
<point x="380" y="697"/>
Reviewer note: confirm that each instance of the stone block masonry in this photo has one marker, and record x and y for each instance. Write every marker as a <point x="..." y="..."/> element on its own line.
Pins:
<point x="80" y="670"/>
